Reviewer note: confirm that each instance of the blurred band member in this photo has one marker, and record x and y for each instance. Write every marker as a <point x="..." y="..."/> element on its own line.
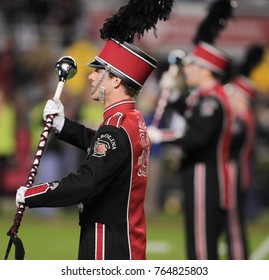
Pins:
<point x="242" y="94"/>
<point x="205" y="143"/>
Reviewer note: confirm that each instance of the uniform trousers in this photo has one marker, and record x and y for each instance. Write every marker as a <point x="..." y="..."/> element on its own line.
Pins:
<point x="205" y="220"/>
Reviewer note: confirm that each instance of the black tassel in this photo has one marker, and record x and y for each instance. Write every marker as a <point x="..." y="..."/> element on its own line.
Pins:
<point x="134" y="18"/>
<point x="19" y="249"/>
<point x="216" y="20"/>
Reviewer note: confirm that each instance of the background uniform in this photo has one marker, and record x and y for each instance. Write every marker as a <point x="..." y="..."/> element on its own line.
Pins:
<point x="240" y="160"/>
<point x="204" y="171"/>
<point x="205" y="143"/>
<point x="110" y="184"/>
<point x="239" y="165"/>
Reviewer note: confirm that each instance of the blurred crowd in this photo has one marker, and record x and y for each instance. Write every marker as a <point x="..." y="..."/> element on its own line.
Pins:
<point x="35" y="35"/>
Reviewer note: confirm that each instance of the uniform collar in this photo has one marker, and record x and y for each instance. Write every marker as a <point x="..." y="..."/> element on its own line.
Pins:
<point x="123" y="105"/>
<point x="208" y="88"/>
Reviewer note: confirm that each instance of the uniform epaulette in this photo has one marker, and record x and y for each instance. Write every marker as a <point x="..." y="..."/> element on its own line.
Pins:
<point x="115" y="120"/>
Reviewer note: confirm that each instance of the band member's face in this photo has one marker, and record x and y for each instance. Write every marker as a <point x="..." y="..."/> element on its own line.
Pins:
<point x="194" y="74"/>
<point x="98" y="79"/>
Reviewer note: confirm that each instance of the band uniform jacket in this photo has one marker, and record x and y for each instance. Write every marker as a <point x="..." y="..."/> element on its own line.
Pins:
<point x="109" y="185"/>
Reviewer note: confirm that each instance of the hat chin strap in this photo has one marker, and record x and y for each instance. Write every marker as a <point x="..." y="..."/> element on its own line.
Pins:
<point x="102" y="89"/>
<point x="102" y="92"/>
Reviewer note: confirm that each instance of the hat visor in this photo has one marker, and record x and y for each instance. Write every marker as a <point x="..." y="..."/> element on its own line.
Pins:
<point x="96" y="64"/>
<point x="188" y="59"/>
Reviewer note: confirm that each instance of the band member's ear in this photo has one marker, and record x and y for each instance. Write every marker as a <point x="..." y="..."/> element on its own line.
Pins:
<point x="117" y="82"/>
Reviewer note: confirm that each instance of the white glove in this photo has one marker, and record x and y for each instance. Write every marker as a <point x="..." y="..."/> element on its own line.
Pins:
<point x="55" y="107"/>
<point x="158" y="136"/>
<point x="20" y="195"/>
<point x="155" y="134"/>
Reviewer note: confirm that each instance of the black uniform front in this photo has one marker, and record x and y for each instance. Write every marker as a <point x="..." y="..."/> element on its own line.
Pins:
<point x="204" y="170"/>
<point x="109" y="185"/>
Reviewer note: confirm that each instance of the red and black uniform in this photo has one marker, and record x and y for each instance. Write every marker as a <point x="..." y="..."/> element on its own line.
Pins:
<point x="109" y="185"/>
<point x="204" y="171"/>
<point x="243" y="134"/>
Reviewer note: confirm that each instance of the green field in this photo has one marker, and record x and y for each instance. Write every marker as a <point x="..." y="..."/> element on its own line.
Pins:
<point x="56" y="238"/>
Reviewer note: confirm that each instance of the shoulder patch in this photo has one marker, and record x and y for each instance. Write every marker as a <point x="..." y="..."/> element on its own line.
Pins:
<point x="208" y="107"/>
<point x="115" y="120"/>
<point x="103" y="144"/>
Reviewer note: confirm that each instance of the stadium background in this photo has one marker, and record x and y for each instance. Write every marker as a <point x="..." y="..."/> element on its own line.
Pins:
<point x="34" y="35"/>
